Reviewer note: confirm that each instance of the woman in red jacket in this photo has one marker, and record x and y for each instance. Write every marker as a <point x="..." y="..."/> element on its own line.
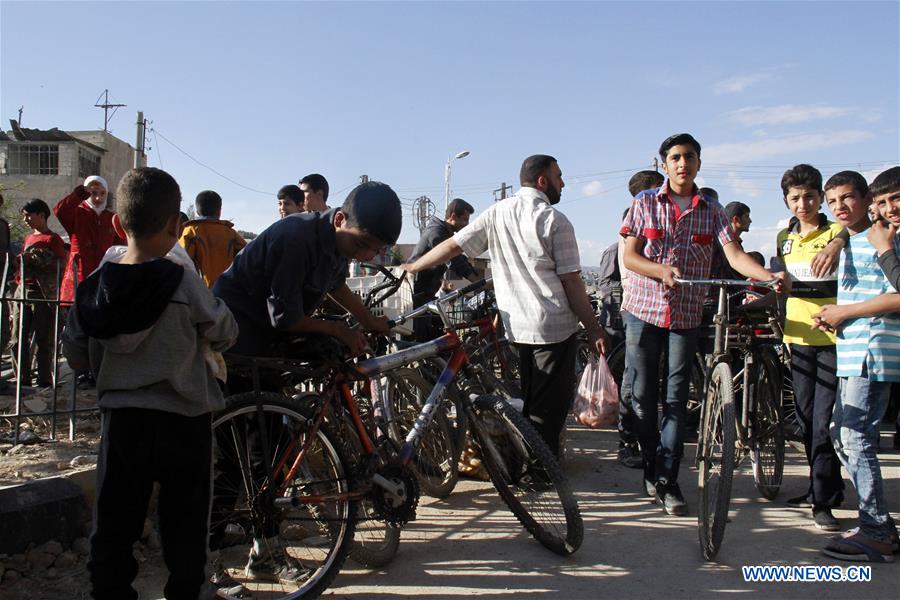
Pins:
<point x="88" y="221"/>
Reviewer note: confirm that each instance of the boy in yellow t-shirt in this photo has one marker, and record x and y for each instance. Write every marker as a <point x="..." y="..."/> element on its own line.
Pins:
<point x="813" y="356"/>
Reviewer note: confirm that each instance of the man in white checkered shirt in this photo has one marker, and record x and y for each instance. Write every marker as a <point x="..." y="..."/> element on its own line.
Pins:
<point x="537" y="279"/>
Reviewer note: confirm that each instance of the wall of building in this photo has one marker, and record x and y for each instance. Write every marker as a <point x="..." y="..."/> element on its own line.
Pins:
<point x="117" y="159"/>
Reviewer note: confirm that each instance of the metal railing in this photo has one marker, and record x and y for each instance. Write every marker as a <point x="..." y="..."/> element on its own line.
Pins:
<point x="55" y="411"/>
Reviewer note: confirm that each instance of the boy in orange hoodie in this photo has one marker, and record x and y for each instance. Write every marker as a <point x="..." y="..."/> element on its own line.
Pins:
<point x="210" y="242"/>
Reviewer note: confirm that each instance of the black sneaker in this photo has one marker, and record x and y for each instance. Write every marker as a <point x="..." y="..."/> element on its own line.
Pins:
<point x="670" y="498"/>
<point x="631" y="457"/>
<point x="825" y="520"/>
<point x="269" y="561"/>
<point x="800" y="502"/>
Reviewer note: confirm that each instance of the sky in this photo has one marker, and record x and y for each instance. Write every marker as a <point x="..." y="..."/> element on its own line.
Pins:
<point x="246" y="97"/>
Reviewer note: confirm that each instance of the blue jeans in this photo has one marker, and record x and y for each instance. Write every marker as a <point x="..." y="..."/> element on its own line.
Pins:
<point x="662" y="447"/>
<point x="854" y="431"/>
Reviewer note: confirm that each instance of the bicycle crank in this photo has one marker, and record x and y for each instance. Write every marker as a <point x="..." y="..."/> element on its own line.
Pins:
<point x="396" y="500"/>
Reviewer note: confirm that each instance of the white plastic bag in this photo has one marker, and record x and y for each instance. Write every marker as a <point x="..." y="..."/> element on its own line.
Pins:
<point x="597" y="399"/>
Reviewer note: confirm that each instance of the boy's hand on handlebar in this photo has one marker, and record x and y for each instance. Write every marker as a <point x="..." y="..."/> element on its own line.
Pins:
<point x="668" y="274"/>
<point x="353" y="339"/>
<point x="783" y="283"/>
<point x="377" y="324"/>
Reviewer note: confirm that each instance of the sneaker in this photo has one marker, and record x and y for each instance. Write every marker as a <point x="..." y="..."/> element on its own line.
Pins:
<point x="825" y="520"/>
<point x="535" y="480"/>
<point x="650" y="489"/>
<point x="670" y="498"/>
<point x="226" y="586"/>
<point x="800" y="502"/>
<point x="85" y="381"/>
<point x="269" y="561"/>
<point x="631" y="457"/>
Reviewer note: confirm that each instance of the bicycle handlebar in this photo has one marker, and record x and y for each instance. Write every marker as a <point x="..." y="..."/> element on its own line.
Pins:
<point x="477" y="285"/>
<point x="771" y="283"/>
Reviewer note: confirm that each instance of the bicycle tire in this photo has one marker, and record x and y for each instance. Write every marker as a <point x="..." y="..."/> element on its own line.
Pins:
<point x="315" y="535"/>
<point x="506" y="371"/>
<point x="375" y="542"/>
<point x="767" y="447"/>
<point x="527" y="475"/>
<point x="436" y="462"/>
<point x="716" y="456"/>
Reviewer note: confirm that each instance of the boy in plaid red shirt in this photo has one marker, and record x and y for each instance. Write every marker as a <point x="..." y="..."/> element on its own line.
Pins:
<point x="669" y="233"/>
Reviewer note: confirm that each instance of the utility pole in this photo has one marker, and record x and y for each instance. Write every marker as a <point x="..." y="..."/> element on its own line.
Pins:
<point x="140" y="144"/>
<point x="21" y="108"/>
<point x="106" y="106"/>
<point x="656" y="164"/>
<point x="502" y="191"/>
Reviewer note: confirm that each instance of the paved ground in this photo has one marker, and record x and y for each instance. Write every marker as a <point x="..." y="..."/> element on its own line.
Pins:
<point x="470" y="545"/>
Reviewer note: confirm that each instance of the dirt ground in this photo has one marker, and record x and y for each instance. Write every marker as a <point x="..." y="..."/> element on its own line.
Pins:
<point x="470" y="545"/>
<point x="51" y="456"/>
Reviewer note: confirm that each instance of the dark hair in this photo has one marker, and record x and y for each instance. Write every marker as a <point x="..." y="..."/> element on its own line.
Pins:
<point x="679" y="139"/>
<point x="801" y="176"/>
<point x="533" y="167"/>
<point x="736" y="209"/>
<point x="849" y="178"/>
<point x="147" y="198"/>
<point x="374" y="207"/>
<point x="208" y="203"/>
<point x="317" y="183"/>
<point x="292" y="193"/>
<point x="184" y="217"/>
<point x="644" y="180"/>
<point x="709" y="192"/>
<point x="458" y="207"/>
<point x="36" y="205"/>
<point x="758" y="257"/>
<point x="887" y="182"/>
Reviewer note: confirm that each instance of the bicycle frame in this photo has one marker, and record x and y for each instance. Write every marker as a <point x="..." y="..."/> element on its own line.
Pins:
<point x="371" y="368"/>
<point x="730" y="338"/>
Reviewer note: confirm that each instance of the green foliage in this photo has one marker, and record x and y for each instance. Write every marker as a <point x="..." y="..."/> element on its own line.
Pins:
<point x="17" y="228"/>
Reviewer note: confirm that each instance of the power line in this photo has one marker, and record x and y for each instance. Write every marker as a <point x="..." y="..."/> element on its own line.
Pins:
<point x="205" y="166"/>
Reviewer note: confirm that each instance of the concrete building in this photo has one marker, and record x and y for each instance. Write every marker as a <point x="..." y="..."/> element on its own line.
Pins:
<point x="48" y="164"/>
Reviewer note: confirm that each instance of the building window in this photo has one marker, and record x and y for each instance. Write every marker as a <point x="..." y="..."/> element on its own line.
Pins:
<point x="33" y="159"/>
<point x="88" y="163"/>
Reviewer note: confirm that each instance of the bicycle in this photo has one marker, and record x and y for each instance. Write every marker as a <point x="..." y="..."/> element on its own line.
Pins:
<point x="294" y="492"/>
<point x="754" y="428"/>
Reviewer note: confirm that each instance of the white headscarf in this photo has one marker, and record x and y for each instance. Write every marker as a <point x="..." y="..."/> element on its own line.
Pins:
<point x="101" y="181"/>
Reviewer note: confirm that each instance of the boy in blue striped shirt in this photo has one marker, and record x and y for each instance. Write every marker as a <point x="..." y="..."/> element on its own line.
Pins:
<point x="868" y="333"/>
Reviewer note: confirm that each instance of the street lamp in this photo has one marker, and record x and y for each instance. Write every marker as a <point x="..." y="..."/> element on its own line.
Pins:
<point x="450" y="159"/>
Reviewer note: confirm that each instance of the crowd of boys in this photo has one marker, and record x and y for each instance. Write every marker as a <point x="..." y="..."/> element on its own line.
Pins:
<point x="143" y="322"/>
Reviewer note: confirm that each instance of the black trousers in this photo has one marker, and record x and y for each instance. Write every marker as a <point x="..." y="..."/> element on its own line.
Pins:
<point x="813" y="371"/>
<point x="548" y="386"/>
<point x="139" y="447"/>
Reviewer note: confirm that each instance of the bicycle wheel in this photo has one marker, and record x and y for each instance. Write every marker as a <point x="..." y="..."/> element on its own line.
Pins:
<point x="767" y="447"/>
<point x="375" y="542"/>
<point x="256" y="442"/>
<point x="504" y="365"/>
<point x="527" y="476"/>
<point x="436" y="460"/>
<point x="716" y="459"/>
